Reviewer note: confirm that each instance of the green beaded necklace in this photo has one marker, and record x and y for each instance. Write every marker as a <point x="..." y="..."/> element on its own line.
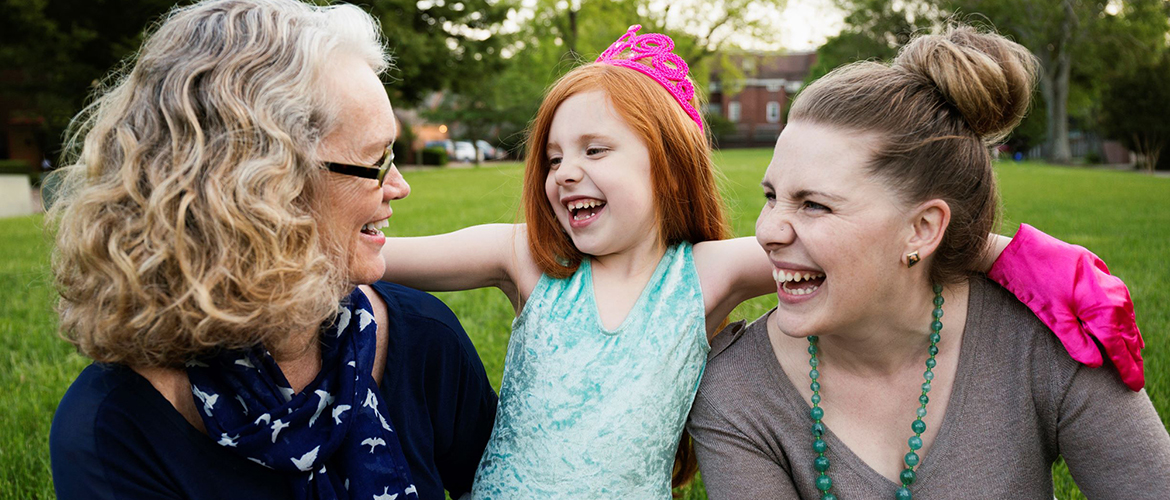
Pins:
<point x="821" y="463"/>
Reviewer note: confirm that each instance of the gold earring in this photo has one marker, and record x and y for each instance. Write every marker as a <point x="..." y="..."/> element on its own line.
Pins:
<point x="912" y="258"/>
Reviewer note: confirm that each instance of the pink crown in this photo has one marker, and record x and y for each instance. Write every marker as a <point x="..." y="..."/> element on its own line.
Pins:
<point x="658" y="48"/>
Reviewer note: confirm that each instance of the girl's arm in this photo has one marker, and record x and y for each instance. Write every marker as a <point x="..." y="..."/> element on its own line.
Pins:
<point x="479" y="256"/>
<point x="730" y="272"/>
<point x="1065" y="285"/>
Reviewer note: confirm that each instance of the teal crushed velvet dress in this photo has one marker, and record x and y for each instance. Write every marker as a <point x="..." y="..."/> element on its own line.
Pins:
<point x="590" y="413"/>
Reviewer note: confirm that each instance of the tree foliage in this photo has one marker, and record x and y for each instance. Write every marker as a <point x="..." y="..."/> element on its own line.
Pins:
<point x="562" y="34"/>
<point x="1135" y="107"/>
<point x="56" y="52"/>
<point x="441" y="44"/>
<point x="1079" y="44"/>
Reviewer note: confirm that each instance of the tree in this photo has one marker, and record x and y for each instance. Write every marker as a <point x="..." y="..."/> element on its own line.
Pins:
<point x="1079" y="43"/>
<point x="562" y="34"/>
<point x="441" y="44"/>
<point x="1135" y="107"/>
<point x="56" y="52"/>
<point x="875" y="29"/>
<point x="1067" y="34"/>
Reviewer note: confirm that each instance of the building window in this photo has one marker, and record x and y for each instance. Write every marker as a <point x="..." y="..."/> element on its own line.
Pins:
<point x="713" y="108"/>
<point x="733" y="111"/>
<point x="774" y="86"/>
<point x="773" y="110"/>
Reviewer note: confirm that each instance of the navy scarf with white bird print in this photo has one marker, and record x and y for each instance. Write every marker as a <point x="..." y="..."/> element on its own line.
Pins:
<point x="332" y="439"/>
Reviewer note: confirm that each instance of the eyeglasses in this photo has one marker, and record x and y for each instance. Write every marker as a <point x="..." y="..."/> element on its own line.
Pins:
<point x="366" y="172"/>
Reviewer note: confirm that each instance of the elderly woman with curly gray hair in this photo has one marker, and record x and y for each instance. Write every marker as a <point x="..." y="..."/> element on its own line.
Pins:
<point x="217" y="235"/>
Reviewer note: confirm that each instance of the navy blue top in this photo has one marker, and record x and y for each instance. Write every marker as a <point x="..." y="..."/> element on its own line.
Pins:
<point x="114" y="435"/>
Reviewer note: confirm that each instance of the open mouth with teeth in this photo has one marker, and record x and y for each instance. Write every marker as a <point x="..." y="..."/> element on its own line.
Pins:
<point x="584" y="209"/>
<point x="798" y="282"/>
<point x="375" y="228"/>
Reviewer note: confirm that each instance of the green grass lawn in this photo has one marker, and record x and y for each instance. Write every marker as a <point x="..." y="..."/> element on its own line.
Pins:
<point x="1124" y="217"/>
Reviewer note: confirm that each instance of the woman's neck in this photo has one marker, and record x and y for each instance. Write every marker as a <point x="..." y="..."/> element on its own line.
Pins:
<point x="303" y="365"/>
<point x="884" y="346"/>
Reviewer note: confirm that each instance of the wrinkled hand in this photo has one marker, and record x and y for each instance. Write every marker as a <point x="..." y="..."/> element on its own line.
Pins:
<point x="1072" y="292"/>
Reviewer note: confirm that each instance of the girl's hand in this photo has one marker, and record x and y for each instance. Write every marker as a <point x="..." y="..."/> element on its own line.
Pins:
<point x="1072" y="292"/>
<point x="995" y="245"/>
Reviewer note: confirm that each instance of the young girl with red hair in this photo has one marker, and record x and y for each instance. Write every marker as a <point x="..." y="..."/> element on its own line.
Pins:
<point x="620" y="277"/>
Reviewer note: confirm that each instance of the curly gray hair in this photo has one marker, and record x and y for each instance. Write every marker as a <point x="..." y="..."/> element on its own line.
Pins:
<point x="186" y="219"/>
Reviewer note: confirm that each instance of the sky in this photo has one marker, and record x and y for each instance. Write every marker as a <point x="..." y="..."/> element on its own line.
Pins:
<point x="805" y="24"/>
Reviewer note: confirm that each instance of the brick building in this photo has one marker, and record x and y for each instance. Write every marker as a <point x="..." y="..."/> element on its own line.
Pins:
<point x="21" y="128"/>
<point x="755" y="104"/>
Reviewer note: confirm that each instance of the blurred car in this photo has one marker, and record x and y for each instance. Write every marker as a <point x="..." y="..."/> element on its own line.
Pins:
<point x="445" y="144"/>
<point x="487" y="150"/>
<point x="465" y="151"/>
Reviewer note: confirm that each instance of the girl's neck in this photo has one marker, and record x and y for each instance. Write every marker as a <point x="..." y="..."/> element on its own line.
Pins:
<point x="889" y="344"/>
<point x="641" y="259"/>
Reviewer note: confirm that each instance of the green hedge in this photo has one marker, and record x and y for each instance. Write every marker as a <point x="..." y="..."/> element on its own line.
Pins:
<point x="434" y="155"/>
<point x="15" y="167"/>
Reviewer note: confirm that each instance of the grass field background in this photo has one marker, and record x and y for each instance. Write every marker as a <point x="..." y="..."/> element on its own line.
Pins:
<point x="1122" y="216"/>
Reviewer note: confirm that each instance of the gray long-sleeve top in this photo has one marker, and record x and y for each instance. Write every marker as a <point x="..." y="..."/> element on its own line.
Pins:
<point x="1019" y="402"/>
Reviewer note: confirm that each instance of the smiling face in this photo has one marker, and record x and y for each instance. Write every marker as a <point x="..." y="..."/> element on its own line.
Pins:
<point x="835" y="234"/>
<point x="352" y="210"/>
<point x="598" y="182"/>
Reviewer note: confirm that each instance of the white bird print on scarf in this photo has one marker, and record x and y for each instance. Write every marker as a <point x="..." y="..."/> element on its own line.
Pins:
<point x="208" y="400"/>
<point x="364" y="318"/>
<point x="342" y="321"/>
<point x="324" y="400"/>
<point x="337" y="411"/>
<point x="225" y="440"/>
<point x="372" y="403"/>
<point x="374" y="443"/>
<point x="305" y="463"/>
<point x="277" y="426"/>
<point x="385" y="495"/>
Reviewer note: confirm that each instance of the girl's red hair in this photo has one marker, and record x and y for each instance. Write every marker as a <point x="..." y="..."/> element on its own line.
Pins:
<point x="686" y="197"/>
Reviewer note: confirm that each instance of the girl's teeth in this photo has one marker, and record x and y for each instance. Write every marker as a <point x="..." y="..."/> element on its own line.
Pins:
<point x="577" y="205"/>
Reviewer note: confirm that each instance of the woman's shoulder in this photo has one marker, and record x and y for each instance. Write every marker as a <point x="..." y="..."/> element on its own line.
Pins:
<point x="403" y="302"/>
<point x="1002" y="323"/>
<point x="100" y="390"/>
<point x="742" y="403"/>
<point x="421" y="325"/>
<point x="1004" y="332"/>
<point x="737" y="366"/>
<point x="104" y="418"/>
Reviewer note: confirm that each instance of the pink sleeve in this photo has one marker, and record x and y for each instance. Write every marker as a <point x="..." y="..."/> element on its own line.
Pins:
<point x="1072" y="292"/>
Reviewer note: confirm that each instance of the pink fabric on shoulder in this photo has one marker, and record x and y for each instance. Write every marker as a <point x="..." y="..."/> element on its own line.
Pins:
<point x="1072" y="292"/>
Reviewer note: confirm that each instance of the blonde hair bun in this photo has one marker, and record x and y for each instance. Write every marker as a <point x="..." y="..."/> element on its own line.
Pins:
<point x="986" y="77"/>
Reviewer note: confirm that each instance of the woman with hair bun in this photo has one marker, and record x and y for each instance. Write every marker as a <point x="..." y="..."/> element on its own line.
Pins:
<point x="895" y="372"/>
